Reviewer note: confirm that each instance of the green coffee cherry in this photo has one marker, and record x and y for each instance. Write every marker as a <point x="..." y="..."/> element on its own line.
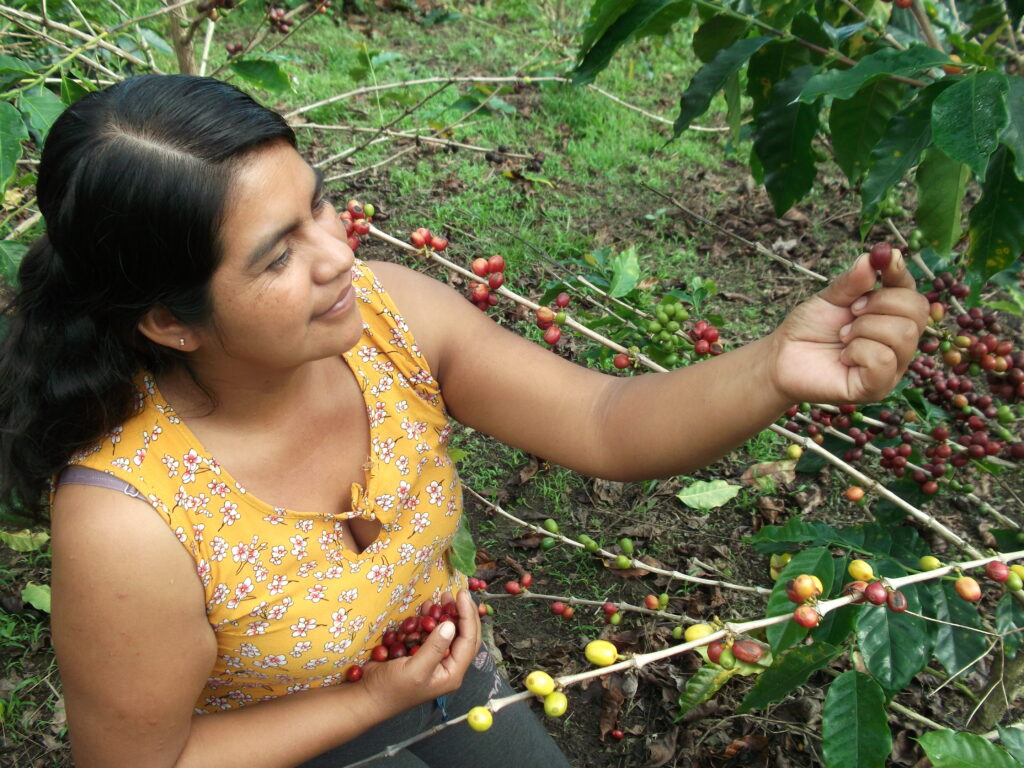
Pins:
<point x="550" y="525"/>
<point x="626" y="545"/>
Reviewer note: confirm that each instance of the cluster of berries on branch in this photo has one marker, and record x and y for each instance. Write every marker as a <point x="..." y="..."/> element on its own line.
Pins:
<point x="356" y="217"/>
<point x="550" y="320"/>
<point x="491" y="272"/>
<point x="279" y="22"/>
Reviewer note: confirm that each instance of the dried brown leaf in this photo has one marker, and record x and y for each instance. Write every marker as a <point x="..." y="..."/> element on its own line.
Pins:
<point x="612" y="698"/>
<point x="778" y="472"/>
<point x="662" y="750"/>
<point x="526" y="473"/>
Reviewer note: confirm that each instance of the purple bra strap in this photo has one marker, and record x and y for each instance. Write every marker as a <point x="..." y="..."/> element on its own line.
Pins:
<point x="75" y="475"/>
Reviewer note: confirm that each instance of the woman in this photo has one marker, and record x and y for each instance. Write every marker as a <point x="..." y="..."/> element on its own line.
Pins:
<point x="255" y="424"/>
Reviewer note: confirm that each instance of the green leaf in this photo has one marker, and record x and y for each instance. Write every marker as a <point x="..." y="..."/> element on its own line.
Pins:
<point x="896" y="646"/>
<point x="702" y="686"/>
<point x="41" y="107"/>
<point x="844" y="83"/>
<point x="816" y="561"/>
<point x="12" y="70"/>
<point x="625" y="273"/>
<point x="859" y="122"/>
<point x="837" y="624"/>
<point x="707" y="495"/>
<point x="603" y="14"/>
<point x="949" y="749"/>
<point x="854" y="724"/>
<point x="789" y="672"/>
<point x="772" y="539"/>
<point x="71" y="89"/>
<point x="37" y="595"/>
<point x="1009" y="623"/>
<point x="782" y="140"/>
<point x="716" y="33"/>
<point x="771" y="64"/>
<point x="663" y="21"/>
<point x="908" y="134"/>
<point x="1012" y="737"/>
<point x="10" y="259"/>
<point x="941" y="183"/>
<point x="996" y="220"/>
<point x="1013" y="136"/>
<point x="711" y="78"/>
<point x="263" y="73"/>
<point x="12" y="131"/>
<point x="955" y="648"/>
<point x="156" y="41"/>
<point x="968" y="118"/>
<point x="457" y="454"/>
<point x="462" y="553"/>
<point x="633" y="20"/>
<point x="24" y="540"/>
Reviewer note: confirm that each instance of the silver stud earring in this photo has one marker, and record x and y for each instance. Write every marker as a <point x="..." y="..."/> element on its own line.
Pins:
<point x="181" y="342"/>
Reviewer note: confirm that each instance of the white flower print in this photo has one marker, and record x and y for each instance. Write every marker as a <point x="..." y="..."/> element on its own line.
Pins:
<point x="171" y="463"/>
<point x="302" y="626"/>
<point x="218" y="549"/>
<point x="218" y="488"/>
<point x="397" y="339"/>
<point x="405" y="552"/>
<point x="272" y="661"/>
<point x="306" y="568"/>
<point x="314" y="663"/>
<point x="243" y="553"/>
<point x="356" y="624"/>
<point x="220" y="592"/>
<point x="257" y="628"/>
<point x="453" y="507"/>
<point x="140" y="456"/>
<point x="230" y="513"/>
<point x="203" y="571"/>
<point x="402" y="465"/>
<point x="385" y="501"/>
<point x="277" y="584"/>
<point x="274" y="518"/>
<point x="179" y="532"/>
<point x="242" y="590"/>
<point x="122" y="463"/>
<point x="385" y="449"/>
<point x="334" y="572"/>
<point x="338" y="619"/>
<point x="401" y="406"/>
<point x="277" y="553"/>
<point x="316" y="593"/>
<point x="115" y="434"/>
<point x="420" y="521"/>
<point x="298" y="547"/>
<point x="436" y="492"/>
<point x="348" y="596"/>
<point x="367" y="354"/>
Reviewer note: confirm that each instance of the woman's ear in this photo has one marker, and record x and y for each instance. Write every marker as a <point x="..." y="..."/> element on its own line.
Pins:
<point x="161" y="327"/>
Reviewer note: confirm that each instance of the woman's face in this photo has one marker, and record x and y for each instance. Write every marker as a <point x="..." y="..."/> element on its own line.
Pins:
<point x="282" y="295"/>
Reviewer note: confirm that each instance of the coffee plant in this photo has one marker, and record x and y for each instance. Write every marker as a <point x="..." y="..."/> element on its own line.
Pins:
<point x="918" y="91"/>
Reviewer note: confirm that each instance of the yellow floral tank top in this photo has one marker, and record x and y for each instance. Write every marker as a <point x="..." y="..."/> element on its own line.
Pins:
<point x="291" y="606"/>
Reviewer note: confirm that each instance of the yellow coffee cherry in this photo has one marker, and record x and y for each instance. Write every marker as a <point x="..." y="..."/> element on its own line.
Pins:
<point x="479" y="718"/>
<point x="601" y="653"/>
<point x="555" y="704"/>
<point x="929" y="563"/>
<point x="539" y="682"/>
<point x="697" y="631"/>
<point x="860" y="570"/>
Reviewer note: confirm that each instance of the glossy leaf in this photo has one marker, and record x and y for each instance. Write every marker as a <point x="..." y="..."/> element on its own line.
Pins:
<point x="789" y="672"/>
<point x="1013" y="136"/>
<point x="717" y="33"/>
<point x="639" y="18"/>
<point x="12" y="132"/>
<point x="941" y="183"/>
<point x="854" y="724"/>
<point x="603" y="14"/>
<point x="702" y="686"/>
<point x="968" y="118"/>
<point x="771" y="64"/>
<point x="625" y="272"/>
<point x="1010" y="624"/>
<point x="782" y="140"/>
<point x="838" y="624"/>
<point x="711" y="78"/>
<point x="25" y="540"/>
<point x="950" y="749"/>
<point x="844" y="83"/>
<point x="859" y="122"/>
<point x="816" y="561"/>
<point x="708" y="495"/>
<point x="997" y="220"/>
<point x="462" y="553"/>
<point x="72" y="89"/>
<point x="12" y="70"/>
<point x="41" y="107"/>
<point x="1013" y="741"/>
<point x="263" y="73"/>
<point x="955" y="648"/>
<point x="908" y="134"/>
<point x="895" y="646"/>
<point x="37" y="595"/>
<point x="11" y="253"/>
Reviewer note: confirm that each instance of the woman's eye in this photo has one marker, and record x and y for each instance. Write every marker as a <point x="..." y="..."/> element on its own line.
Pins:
<point x="281" y="260"/>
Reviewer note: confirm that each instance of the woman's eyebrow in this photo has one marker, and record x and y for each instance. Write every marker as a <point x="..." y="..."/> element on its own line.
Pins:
<point x="267" y="243"/>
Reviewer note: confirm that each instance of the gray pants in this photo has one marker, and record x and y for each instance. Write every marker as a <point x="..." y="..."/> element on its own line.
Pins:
<point x="516" y="739"/>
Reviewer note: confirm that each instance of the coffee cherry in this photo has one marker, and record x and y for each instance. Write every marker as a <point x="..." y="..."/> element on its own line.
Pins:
<point x="495" y="264"/>
<point x="601" y="653"/>
<point x="880" y="256"/>
<point x="355" y="208"/>
<point x="438" y="243"/>
<point x="748" y="651"/>
<point x="513" y="587"/>
<point x="361" y="227"/>
<point x="568" y="612"/>
<point x="621" y="360"/>
<point x="806" y="616"/>
<point x="555" y="704"/>
<point x="617" y="734"/>
<point x="610" y="608"/>
<point x="860" y="570"/>
<point x="615" y="619"/>
<point x="539" y="683"/>
<point x="651" y="602"/>
<point x="1014" y="582"/>
<point x="479" y="718"/>
<point x="379" y="653"/>
<point x="562" y="300"/>
<point x="929" y="563"/>
<point x="495" y="281"/>
<point x="968" y="589"/>
<point x="550" y="525"/>
<point x="622" y="562"/>
<point x="897" y="601"/>
<point x="806" y="586"/>
<point x="479" y="266"/>
<point x="626" y="545"/>
<point x="794" y="451"/>
<point x="697" y="631"/>
<point x="856" y="589"/>
<point x="354" y="674"/>
<point x="727" y="659"/>
<point x="876" y="593"/>
<point x="368" y="209"/>
<point x="715" y="650"/>
<point x="552" y="335"/>
<point x="854" y="493"/>
<point x="997" y="571"/>
<point x="526" y="580"/>
<point x="558" y="608"/>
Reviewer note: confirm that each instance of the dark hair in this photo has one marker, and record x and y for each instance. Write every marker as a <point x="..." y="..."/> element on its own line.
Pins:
<point x="132" y="185"/>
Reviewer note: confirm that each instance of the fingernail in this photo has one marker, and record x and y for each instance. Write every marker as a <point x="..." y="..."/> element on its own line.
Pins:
<point x="859" y="304"/>
<point x="845" y="330"/>
<point x="447" y="630"/>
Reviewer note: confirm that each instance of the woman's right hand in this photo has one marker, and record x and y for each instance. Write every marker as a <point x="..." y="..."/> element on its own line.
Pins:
<point x="400" y="684"/>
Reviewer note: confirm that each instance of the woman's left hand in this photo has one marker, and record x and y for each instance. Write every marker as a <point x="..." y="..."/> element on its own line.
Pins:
<point x="850" y="343"/>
